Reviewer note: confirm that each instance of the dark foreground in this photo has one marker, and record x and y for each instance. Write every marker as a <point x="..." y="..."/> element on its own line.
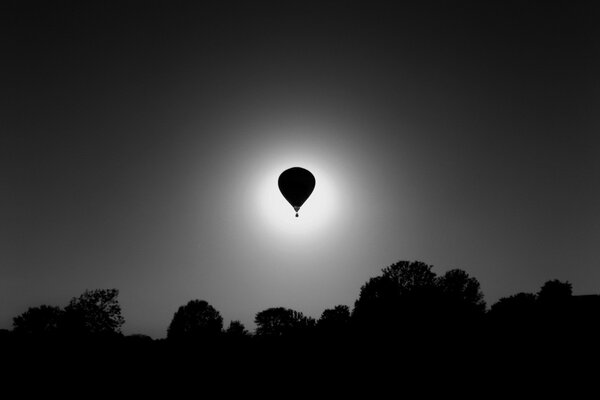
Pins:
<point x="427" y="365"/>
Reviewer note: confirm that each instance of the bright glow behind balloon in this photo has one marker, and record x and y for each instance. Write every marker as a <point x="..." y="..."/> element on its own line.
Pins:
<point x="319" y="212"/>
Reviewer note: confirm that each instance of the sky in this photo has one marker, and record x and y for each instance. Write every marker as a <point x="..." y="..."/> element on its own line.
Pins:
<point x="140" y="145"/>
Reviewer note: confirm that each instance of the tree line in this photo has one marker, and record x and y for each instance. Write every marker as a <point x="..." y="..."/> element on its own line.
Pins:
<point x="408" y="300"/>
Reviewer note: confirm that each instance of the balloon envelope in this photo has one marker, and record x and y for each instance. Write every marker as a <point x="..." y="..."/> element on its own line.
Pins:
<point x="296" y="184"/>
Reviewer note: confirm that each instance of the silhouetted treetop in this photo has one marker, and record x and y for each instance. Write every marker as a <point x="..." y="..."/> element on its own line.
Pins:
<point x="395" y="300"/>
<point x="409" y="277"/>
<point x="520" y="306"/>
<point x="461" y="292"/>
<point x="399" y="314"/>
<point x="408" y="296"/>
<point x="280" y="321"/>
<point x="555" y="291"/>
<point x="399" y="280"/>
<point x="236" y="330"/>
<point x="38" y="321"/>
<point x="335" y="319"/>
<point x="95" y="312"/>
<point x="195" y="320"/>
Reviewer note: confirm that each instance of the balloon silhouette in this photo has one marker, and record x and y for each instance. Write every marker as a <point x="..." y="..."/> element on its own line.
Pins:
<point x="296" y="184"/>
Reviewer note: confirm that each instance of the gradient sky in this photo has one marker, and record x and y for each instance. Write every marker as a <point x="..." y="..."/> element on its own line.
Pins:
<point x="140" y="148"/>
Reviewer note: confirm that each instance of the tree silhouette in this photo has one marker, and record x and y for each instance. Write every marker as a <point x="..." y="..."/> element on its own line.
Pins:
<point x="236" y="330"/>
<point x="95" y="312"/>
<point x="515" y="305"/>
<point x="514" y="314"/>
<point x="401" y="314"/>
<point x="334" y="321"/>
<point x="554" y="292"/>
<point x="554" y="301"/>
<point x="410" y="277"/>
<point x="462" y="298"/>
<point x="38" y="321"/>
<point x="280" y="321"/>
<point x="403" y="296"/>
<point x="195" y="320"/>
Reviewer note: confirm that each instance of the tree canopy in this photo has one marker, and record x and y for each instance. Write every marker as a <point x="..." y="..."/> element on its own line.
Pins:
<point x="38" y="321"/>
<point x="95" y="312"/>
<point x="280" y="321"/>
<point x="197" y="319"/>
<point x="555" y="291"/>
<point x="236" y="330"/>
<point x="461" y="294"/>
<point x="409" y="295"/>
<point x="407" y="300"/>
<point x="334" y="320"/>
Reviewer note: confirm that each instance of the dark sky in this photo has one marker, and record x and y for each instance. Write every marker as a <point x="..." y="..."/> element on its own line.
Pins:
<point x="140" y="145"/>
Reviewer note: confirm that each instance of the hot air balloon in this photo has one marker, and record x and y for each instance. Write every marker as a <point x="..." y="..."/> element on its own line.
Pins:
<point x="296" y="184"/>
